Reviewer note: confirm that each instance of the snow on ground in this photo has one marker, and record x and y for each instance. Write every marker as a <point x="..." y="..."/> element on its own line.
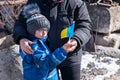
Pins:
<point x="110" y="65"/>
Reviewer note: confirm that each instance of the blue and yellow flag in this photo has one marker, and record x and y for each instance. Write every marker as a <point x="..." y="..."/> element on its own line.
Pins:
<point x="68" y="32"/>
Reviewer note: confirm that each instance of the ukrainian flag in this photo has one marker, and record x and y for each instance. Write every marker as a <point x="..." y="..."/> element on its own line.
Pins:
<point x="68" y="32"/>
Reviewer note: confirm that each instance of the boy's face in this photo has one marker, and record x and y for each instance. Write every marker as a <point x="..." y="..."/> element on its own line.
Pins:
<point x="41" y="33"/>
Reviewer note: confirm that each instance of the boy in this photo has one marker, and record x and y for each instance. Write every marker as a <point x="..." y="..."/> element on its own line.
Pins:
<point x="40" y="65"/>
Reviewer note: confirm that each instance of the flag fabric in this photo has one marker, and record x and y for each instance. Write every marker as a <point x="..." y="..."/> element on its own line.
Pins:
<point x="68" y="32"/>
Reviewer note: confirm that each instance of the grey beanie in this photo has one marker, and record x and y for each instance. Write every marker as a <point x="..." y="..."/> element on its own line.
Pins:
<point x="35" y="20"/>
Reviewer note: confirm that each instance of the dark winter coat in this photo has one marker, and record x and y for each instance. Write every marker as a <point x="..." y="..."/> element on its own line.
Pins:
<point x="60" y="16"/>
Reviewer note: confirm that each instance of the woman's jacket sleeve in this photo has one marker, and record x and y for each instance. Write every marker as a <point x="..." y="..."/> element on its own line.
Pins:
<point x="82" y="24"/>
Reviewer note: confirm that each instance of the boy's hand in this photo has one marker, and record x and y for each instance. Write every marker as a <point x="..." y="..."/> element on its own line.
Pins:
<point x="70" y="45"/>
<point x="24" y="43"/>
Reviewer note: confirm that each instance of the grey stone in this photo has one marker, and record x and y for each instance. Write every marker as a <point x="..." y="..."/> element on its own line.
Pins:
<point x="10" y="64"/>
<point x="111" y="40"/>
<point x="105" y="19"/>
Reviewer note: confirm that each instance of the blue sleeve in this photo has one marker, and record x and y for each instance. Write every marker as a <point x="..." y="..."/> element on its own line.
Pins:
<point x="21" y="53"/>
<point x="51" y="60"/>
<point x="28" y="58"/>
<point x="58" y="56"/>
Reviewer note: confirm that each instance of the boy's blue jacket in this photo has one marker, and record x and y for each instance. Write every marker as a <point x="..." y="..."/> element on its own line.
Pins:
<point x="41" y="65"/>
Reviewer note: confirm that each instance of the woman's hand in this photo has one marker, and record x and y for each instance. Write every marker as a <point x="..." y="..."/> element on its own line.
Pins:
<point x="70" y="45"/>
<point x="24" y="43"/>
